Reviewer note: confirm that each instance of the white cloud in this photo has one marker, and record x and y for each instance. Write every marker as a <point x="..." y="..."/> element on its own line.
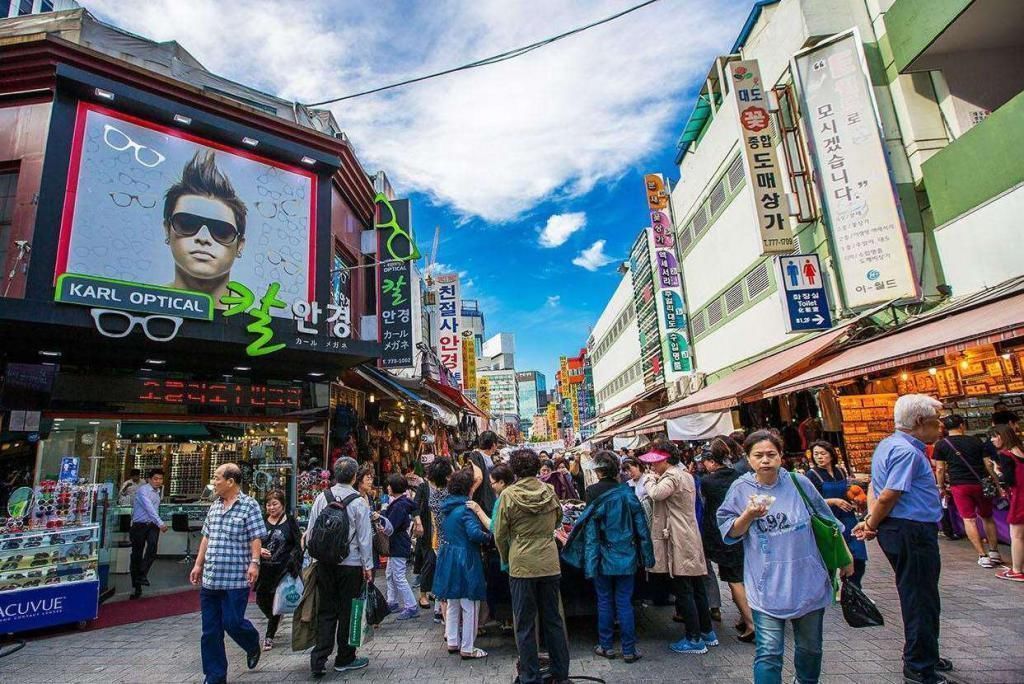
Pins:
<point x="560" y="228"/>
<point x="491" y="142"/>
<point x="553" y="300"/>
<point x="593" y="257"/>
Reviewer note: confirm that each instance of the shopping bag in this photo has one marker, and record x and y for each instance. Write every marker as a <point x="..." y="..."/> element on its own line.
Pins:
<point x="287" y="595"/>
<point x="858" y="609"/>
<point x="376" y="605"/>
<point x="357" y="626"/>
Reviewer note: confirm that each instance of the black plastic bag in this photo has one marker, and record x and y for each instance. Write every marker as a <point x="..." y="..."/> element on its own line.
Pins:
<point x="376" y="605"/>
<point x="858" y="609"/>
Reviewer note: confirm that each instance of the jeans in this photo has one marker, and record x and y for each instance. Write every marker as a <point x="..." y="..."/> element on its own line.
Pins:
<point x="711" y="588"/>
<point x="692" y="604"/>
<point x="336" y="586"/>
<point x="144" y="538"/>
<point x="223" y="610"/>
<point x="770" y="644"/>
<point x="462" y="635"/>
<point x="399" y="590"/>
<point x="615" y="597"/>
<point x="527" y="594"/>
<point x="912" y="549"/>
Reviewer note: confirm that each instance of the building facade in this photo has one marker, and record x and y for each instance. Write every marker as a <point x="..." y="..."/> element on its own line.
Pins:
<point x="615" y="353"/>
<point x="532" y="390"/>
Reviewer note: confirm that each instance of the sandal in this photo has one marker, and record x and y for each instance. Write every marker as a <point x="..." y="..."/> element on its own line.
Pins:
<point x="747" y="638"/>
<point x="423" y="605"/>
<point x="452" y="650"/>
<point x="605" y="652"/>
<point x="631" y="658"/>
<point x="476" y="654"/>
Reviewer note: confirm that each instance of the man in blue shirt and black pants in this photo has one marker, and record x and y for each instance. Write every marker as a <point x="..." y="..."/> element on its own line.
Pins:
<point x="145" y="530"/>
<point x="904" y="513"/>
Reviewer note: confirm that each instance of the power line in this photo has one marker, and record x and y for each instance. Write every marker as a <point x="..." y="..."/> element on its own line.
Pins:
<point x="487" y="61"/>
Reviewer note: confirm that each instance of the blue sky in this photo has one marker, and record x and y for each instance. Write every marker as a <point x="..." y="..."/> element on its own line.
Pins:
<point x="558" y="139"/>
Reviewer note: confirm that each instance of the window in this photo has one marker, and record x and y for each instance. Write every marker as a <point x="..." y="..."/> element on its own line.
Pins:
<point x="757" y="280"/>
<point x="46" y="6"/>
<point x="714" y="313"/>
<point x="24" y="7"/>
<point x="734" y="297"/>
<point x="5" y="8"/>
<point x="700" y="222"/>
<point x="685" y="238"/>
<point x="697" y="324"/>
<point x="735" y="173"/>
<point x="8" y="189"/>
<point x="341" y="281"/>
<point x="717" y="199"/>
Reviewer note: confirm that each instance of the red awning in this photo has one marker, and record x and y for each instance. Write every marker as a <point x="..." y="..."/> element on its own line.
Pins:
<point x="746" y="383"/>
<point x="936" y="335"/>
<point x="454" y="395"/>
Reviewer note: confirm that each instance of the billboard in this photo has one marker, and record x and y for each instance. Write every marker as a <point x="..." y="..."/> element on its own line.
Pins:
<point x="165" y="220"/>
<point x="449" y="341"/>
<point x="869" y="238"/>
<point x="760" y="162"/>
<point x="395" y="286"/>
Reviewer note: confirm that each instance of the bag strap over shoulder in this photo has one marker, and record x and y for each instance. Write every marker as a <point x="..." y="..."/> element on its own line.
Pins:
<point x="962" y="459"/>
<point x="807" y="502"/>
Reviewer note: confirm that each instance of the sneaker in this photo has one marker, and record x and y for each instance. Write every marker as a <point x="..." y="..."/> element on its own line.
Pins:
<point x="437" y="618"/>
<point x="1009" y="574"/>
<point x="632" y="657"/>
<point x="357" y="664"/>
<point x="986" y="562"/>
<point x="944" y="665"/>
<point x="709" y="639"/>
<point x="393" y="608"/>
<point x="409" y="614"/>
<point x="995" y="557"/>
<point x="914" y="677"/>
<point x="687" y="646"/>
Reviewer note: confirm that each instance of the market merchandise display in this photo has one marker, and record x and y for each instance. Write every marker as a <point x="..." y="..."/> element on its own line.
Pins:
<point x="867" y="420"/>
<point x="309" y="484"/>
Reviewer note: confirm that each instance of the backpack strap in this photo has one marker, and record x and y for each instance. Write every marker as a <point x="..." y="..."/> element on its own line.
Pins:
<point x="329" y="496"/>
<point x="348" y="499"/>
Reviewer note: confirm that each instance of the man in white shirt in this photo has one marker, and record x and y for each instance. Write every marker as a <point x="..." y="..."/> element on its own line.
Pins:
<point x="338" y="584"/>
<point x="126" y="494"/>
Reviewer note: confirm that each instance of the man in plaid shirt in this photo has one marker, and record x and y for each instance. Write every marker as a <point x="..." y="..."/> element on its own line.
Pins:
<point x="228" y="564"/>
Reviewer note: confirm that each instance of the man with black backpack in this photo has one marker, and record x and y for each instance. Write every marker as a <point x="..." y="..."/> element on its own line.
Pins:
<point x="339" y="537"/>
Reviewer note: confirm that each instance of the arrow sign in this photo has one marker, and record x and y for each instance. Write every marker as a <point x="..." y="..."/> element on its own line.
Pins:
<point x="802" y="290"/>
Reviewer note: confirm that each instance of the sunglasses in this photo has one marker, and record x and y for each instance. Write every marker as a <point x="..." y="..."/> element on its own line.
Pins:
<point x="185" y="224"/>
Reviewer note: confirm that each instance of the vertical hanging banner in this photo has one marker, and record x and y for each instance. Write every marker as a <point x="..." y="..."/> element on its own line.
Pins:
<point x="668" y="281"/>
<point x="395" y="251"/>
<point x="863" y="213"/>
<point x="449" y="339"/>
<point x="760" y="162"/>
<point x="468" y="363"/>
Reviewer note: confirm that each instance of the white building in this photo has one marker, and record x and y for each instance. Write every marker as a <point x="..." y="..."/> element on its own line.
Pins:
<point x="499" y="352"/>
<point x="614" y="350"/>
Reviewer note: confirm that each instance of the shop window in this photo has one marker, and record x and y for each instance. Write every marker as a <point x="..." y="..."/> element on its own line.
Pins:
<point x="8" y="190"/>
<point x="341" y="280"/>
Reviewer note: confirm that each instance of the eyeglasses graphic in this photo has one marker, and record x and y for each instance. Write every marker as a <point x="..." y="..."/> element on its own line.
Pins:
<point x="269" y="210"/>
<point x="119" y="140"/>
<point x="397" y="231"/>
<point x="113" y="323"/>
<point x="277" y="259"/>
<point x="123" y="199"/>
<point x="185" y="224"/>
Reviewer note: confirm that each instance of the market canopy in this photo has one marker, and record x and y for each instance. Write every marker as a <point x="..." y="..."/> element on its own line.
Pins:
<point x="939" y="333"/>
<point x="747" y="382"/>
<point x="697" y="427"/>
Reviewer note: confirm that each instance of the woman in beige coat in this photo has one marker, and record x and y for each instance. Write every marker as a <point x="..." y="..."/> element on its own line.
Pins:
<point x="678" y="551"/>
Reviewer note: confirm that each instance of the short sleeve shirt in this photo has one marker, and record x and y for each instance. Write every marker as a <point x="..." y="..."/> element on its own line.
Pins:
<point x="899" y="463"/>
<point x="957" y="449"/>
<point x="230" y="532"/>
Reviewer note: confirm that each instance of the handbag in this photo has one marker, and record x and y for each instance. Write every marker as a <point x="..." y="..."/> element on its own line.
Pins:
<point x="827" y="536"/>
<point x="858" y="609"/>
<point x="381" y="541"/>
<point x="287" y="595"/>
<point x="989" y="487"/>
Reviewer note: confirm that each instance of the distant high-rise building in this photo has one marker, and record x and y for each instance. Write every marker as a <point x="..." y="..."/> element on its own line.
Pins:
<point x="499" y="352"/>
<point x="532" y="388"/>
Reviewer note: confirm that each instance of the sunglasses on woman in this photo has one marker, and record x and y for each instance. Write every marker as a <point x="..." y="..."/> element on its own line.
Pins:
<point x="185" y="224"/>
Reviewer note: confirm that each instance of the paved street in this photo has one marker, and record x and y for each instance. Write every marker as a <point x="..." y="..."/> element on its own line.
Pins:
<point x="981" y="627"/>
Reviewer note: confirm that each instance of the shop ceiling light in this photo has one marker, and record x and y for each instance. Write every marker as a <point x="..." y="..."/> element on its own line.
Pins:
<point x="316" y="375"/>
<point x="155" y="362"/>
<point x="94" y="422"/>
<point x="401" y="418"/>
<point x="933" y="371"/>
<point x="373" y="397"/>
<point x="251" y="142"/>
<point x="182" y="119"/>
<point x="104" y="94"/>
<point x="308" y="161"/>
<point x="243" y="369"/>
<point x="47" y="352"/>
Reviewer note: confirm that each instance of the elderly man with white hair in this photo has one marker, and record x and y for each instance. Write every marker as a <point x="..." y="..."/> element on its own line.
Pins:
<point x="904" y="516"/>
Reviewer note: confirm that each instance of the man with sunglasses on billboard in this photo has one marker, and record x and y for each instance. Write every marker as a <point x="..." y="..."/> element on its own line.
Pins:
<point x="204" y="222"/>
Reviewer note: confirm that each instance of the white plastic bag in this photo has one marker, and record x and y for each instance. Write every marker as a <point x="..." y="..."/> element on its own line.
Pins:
<point x="287" y="595"/>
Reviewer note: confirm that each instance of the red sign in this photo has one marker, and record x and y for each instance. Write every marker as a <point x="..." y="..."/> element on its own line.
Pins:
<point x="754" y="119"/>
<point x="219" y="394"/>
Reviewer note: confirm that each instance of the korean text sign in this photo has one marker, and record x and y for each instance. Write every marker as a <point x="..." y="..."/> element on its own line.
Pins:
<point x="449" y="333"/>
<point x="156" y="206"/>
<point x="864" y="215"/>
<point x="802" y="289"/>
<point x="760" y="161"/>
<point x="395" y="299"/>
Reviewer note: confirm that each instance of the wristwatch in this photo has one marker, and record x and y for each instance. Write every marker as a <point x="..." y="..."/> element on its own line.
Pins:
<point x="254" y="561"/>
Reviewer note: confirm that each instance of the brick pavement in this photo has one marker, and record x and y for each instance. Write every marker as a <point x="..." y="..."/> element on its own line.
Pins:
<point x="981" y="632"/>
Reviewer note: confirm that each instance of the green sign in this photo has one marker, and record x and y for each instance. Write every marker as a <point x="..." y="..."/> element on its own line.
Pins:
<point x="241" y="300"/>
<point x="106" y="293"/>
<point x="400" y="245"/>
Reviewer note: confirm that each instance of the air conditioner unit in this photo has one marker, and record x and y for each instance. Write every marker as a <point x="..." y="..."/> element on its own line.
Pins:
<point x="696" y="382"/>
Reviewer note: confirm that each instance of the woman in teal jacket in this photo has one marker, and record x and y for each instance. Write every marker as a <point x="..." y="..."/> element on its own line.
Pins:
<point x="610" y="542"/>
<point x="459" y="577"/>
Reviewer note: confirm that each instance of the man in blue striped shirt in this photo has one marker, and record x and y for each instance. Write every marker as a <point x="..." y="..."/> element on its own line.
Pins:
<point x="145" y="530"/>
<point x="228" y="564"/>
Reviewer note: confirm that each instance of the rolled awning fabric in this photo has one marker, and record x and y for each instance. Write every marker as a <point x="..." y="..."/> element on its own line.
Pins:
<point x="700" y="426"/>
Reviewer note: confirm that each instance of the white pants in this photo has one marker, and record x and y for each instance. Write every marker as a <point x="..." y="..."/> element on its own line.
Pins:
<point x="399" y="590"/>
<point x="467" y="610"/>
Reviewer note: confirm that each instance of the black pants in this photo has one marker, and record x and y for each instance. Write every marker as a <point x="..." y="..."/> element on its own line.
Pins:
<point x="692" y="605"/>
<point x="266" y="587"/>
<point x="336" y="585"/>
<point x="913" y="551"/>
<point x="528" y="594"/>
<point x="144" y="538"/>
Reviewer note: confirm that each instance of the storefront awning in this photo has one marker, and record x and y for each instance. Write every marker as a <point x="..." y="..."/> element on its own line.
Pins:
<point x="697" y="427"/>
<point x="455" y="396"/>
<point x="746" y="383"/>
<point x="386" y="384"/>
<point x="944" y="332"/>
<point x="652" y="422"/>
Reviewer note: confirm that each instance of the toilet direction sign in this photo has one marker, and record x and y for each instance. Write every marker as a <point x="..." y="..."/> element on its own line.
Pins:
<point x="802" y="289"/>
